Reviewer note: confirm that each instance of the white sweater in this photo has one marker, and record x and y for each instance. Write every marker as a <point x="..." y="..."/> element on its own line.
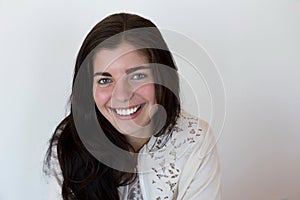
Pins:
<point x="185" y="168"/>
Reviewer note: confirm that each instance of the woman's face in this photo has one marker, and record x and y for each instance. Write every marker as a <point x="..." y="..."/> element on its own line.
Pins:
<point x="124" y="88"/>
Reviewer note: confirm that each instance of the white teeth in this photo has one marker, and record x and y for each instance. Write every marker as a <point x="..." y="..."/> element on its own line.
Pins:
<point x="127" y="111"/>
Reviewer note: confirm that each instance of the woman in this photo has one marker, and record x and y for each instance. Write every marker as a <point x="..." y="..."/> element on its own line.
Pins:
<point x="126" y="136"/>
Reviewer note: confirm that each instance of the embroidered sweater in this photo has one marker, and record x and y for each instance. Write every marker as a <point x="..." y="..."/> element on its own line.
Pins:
<point x="186" y="167"/>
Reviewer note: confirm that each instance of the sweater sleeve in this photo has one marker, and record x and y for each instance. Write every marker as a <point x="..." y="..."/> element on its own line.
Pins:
<point x="201" y="177"/>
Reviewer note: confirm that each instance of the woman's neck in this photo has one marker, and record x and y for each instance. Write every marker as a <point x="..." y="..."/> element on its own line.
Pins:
<point x="137" y="142"/>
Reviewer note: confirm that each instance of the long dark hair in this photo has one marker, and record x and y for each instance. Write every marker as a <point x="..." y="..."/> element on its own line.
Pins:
<point x="84" y="176"/>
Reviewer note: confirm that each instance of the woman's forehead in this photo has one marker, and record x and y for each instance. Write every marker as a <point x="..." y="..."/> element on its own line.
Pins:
<point x="122" y="57"/>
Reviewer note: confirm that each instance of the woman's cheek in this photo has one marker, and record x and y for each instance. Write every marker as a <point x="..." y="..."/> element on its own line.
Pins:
<point x="102" y="96"/>
<point x="147" y="92"/>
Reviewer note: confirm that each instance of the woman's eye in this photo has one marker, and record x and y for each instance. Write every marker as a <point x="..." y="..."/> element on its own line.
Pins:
<point x="104" y="81"/>
<point x="138" y="76"/>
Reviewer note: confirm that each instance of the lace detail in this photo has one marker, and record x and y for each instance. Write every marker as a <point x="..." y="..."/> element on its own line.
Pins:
<point x="134" y="192"/>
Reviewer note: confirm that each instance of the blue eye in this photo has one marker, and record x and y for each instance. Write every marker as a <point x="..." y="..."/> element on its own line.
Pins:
<point x="104" y="81"/>
<point x="138" y="76"/>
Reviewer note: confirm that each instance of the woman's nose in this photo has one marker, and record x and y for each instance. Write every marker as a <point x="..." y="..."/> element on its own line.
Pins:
<point x="122" y="90"/>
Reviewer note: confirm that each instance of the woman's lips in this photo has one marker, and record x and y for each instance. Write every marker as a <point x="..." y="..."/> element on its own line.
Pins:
<point x="130" y="112"/>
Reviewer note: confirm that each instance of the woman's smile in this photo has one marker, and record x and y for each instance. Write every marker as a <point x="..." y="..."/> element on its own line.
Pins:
<point x="128" y="112"/>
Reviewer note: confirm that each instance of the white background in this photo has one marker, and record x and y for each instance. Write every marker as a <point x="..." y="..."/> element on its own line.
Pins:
<point x="255" y="45"/>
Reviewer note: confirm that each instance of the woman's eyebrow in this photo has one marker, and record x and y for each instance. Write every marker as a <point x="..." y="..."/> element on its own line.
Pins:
<point x="102" y="74"/>
<point x="131" y="70"/>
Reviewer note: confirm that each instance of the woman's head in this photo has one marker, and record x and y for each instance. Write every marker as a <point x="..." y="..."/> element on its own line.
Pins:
<point x="118" y="44"/>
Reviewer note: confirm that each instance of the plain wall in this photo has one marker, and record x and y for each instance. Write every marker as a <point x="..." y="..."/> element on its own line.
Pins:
<point x="254" y="44"/>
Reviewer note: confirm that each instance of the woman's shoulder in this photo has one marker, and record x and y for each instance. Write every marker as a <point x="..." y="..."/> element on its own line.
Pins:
<point x="191" y="121"/>
<point x="189" y="128"/>
<point x="168" y="163"/>
<point x="54" y="167"/>
<point x="188" y="132"/>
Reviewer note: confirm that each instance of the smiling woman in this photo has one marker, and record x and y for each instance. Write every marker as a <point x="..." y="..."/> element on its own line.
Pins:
<point x="126" y="83"/>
